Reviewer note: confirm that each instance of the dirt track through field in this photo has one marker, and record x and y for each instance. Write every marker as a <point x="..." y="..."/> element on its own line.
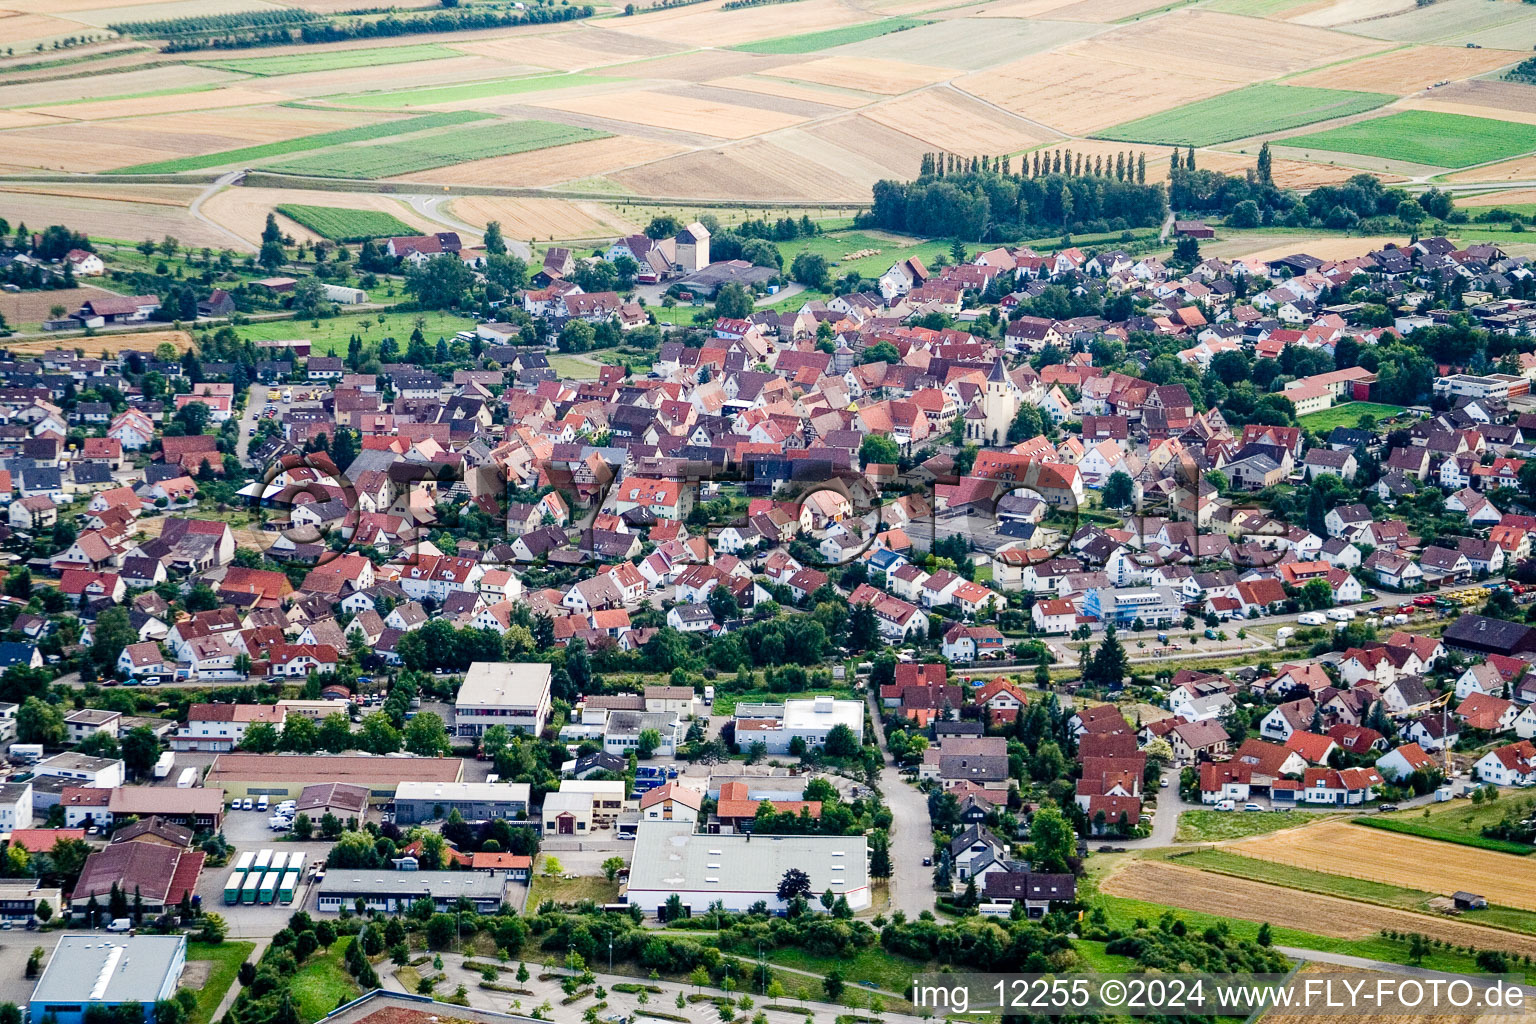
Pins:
<point x="1229" y="896"/>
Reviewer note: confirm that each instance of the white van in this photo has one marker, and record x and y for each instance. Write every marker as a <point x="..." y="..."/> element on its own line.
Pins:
<point x="261" y="804"/>
<point x="121" y="924"/>
<point x="1226" y="805"/>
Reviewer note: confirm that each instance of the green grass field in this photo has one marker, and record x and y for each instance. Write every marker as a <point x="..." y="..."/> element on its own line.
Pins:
<point x="1361" y="889"/>
<point x="1256" y="110"/>
<point x="300" y="63"/>
<point x="225" y="960"/>
<point x="341" y="225"/>
<point x="1458" y="821"/>
<point x="569" y="890"/>
<point x="323" y="983"/>
<point x="1215" y="826"/>
<point x="1424" y="137"/>
<point x="330" y="337"/>
<point x="571" y="368"/>
<point x="249" y="154"/>
<point x="423" y="153"/>
<point x="1253" y="8"/>
<point x="404" y="98"/>
<point x="810" y="42"/>
<point x="1346" y="415"/>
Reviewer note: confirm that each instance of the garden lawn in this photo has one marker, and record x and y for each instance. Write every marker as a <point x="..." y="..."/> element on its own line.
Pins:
<point x="300" y="63"/>
<point x="1459" y="821"/>
<point x="1215" y="826"/>
<point x="342" y="225"/>
<point x="427" y="96"/>
<point x="1256" y="110"/>
<point x="421" y="153"/>
<point x="248" y="154"/>
<point x="571" y="368"/>
<point x="1424" y="137"/>
<point x="225" y="958"/>
<point x="569" y="890"/>
<point x="1346" y="415"/>
<point x="323" y="983"/>
<point x="810" y="42"/>
<point x="331" y="336"/>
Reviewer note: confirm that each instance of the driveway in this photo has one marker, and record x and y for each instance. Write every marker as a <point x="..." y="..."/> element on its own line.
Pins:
<point x="911" y="884"/>
<point x="1165" y="821"/>
<point x="255" y="401"/>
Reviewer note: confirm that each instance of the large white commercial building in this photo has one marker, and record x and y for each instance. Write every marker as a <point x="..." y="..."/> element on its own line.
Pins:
<point x="515" y="695"/>
<point x="741" y="870"/>
<point x="777" y="725"/>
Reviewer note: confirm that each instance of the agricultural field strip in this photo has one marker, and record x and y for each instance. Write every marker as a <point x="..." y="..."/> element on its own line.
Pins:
<point x="343" y="225"/>
<point x="810" y="42"/>
<point x="1424" y="137"/>
<point x="420" y="153"/>
<point x="362" y="133"/>
<point x="1243" y="113"/>
<point x="303" y="63"/>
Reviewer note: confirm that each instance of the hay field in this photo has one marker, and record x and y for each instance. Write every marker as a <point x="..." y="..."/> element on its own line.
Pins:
<point x="571" y="50"/>
<point x="544" y="218"/>
<point x="112" y="218"/>
<point x="780" y="88"/>
<point x="663" y="110"/>
<point x="244" y="210"/>
<point x="957" y="123"/>
<point x="1332" y="916"/>
<point x="969" y="43"/>
<point x="33" y="307"/>
<point x="103" y="344"/>
<point x="1396" y="859"/>
<point x="1325" y="247"/>
<point x="1520" y="169"/>
<point x="1512" y="197"/>
<point x="551" y="166"/>
<point x="751" y="171"/>
<point x="702" y="24"/>
<point x="212" y="99"/>
<point x="1405" y="71"/>
<point x="871" y="74"/>
<point x="1499" y="23"/>
<point x="97" y="87"/>
<point x="1073" y="94"/>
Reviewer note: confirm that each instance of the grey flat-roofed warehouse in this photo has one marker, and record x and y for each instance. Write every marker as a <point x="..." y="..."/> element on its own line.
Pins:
<point x="475" y="801"/>
<point x="108" y="970"/>
<point x="741" y="870"/>
<point x="394" y="891"/>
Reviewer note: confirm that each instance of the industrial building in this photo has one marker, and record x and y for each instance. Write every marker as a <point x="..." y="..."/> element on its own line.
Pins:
<point x="285" y="776"/>
<point x="393" y="892"/>
<point x="778" y="725"/>
<point x="108" y="970"/>
<point x="475" y="801"/>
<point x="740" y="870"/>
<point x="513" y="694"/>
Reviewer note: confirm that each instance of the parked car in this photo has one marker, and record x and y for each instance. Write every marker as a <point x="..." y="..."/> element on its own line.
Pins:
<point x="1252" y="807"/>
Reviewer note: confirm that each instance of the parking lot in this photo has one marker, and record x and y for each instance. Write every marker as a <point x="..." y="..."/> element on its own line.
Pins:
<point x="248" y="830"/>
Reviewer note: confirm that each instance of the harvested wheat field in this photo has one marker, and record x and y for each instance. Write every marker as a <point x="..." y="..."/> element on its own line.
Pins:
<point x="1393" y="858"/>
<point x="1468" y="110"/>
<point x="958" y="123"/>
<point x="971" y="43"/>
<point x="844" y="98"/>
<point x="101" y="14"/>
<point x="707" y="24"/>
<point x="34" y="307"/>
<point x="122" y="83"/>
<point x="154" y="195"/>
<point x="544" y="219"/>
<point x="1078" y="96"/>
<point x="1342" y="12"/>
<point x="1514" y="197"/>
<point x="756" y="170"/>
<point x="1229" y="896"/>
<point x="871" y="74"/>
<point x="1405" y="71"/>
<point x="1322" y="970"/>
<point x="244" y="210"/>
<point x="856" y="149"/>
<point x="1519" y="169"/>
<point x="1014" y="9"/>
<point x="212" y="99"/>
<point x="1225" y="47"/>
<point x="553" y="165"/>
<point x="1324" y="247"/>
<point x="424" y="74"/>
<point x="111" y="219"/>
<point x="572" y="50"/>
<point x="702" y="66"/>
<point x="663" y="110"/>
<point x="18" y="29"/>
<point x="1104" y="11"/>
<point x="24" y="119"/>
<point x="108" y="344"/>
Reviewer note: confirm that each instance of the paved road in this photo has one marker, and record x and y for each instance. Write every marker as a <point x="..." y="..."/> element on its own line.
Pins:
<point x="430" y="207"/>
<point x="255" y="399"/>
<point x="219" y="184"/>
<point x="911" y="884"/>
<point x="1364" y="964"/>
